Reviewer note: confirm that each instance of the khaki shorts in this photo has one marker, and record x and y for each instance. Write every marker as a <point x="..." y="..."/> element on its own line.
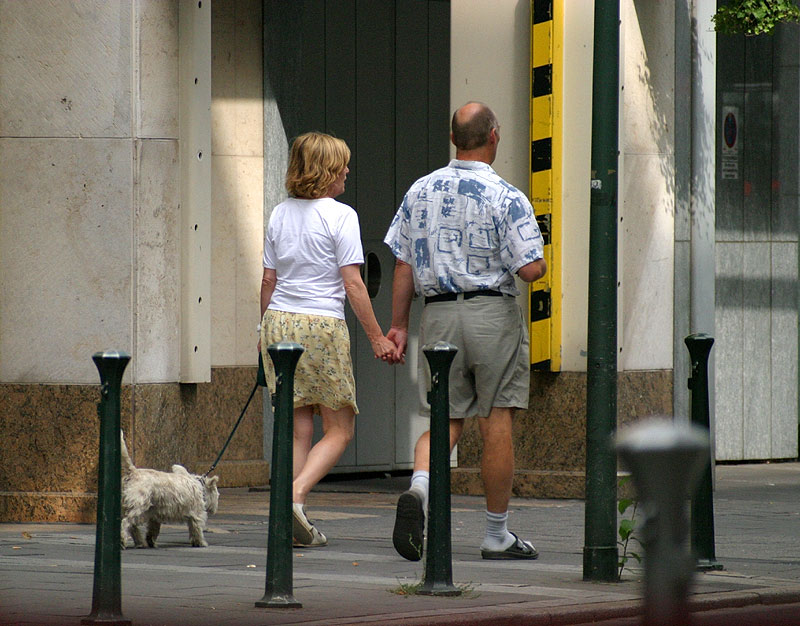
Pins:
<point x="324" y="373"/>
<point x="492" y="365"/>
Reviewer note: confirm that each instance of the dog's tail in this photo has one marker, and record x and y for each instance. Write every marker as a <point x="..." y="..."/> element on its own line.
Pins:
<point x="127" y="464"/>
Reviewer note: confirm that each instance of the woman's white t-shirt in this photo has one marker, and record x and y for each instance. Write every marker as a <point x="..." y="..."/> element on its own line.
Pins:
<point x="307" y="242"/>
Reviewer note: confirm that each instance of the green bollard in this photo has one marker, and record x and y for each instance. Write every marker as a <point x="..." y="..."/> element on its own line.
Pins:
<point x="278" y="592"/>
<point x="702" y="510"/>
<point x="438" y="580"/>
<point x="106" y="595"/>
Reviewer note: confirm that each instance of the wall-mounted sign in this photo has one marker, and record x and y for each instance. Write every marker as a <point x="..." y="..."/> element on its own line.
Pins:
<point x="730" y="143"/>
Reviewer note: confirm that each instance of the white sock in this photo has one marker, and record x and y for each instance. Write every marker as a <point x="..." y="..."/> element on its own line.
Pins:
<point x="420" y="481"/>
<point x="497" y="536"/>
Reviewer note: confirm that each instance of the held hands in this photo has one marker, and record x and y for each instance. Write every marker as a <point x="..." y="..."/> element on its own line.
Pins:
<point x="392" y="347"/>
<point x="383" y="348"/>
<point x="399" y="337"/>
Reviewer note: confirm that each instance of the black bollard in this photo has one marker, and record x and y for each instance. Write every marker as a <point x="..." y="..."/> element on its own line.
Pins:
<point x="107" y="591"/>
<point x="665" y="459"/>
<point x="702" y="518"/>
<point x="279" y="593"/>
<point x="438" y="579"/>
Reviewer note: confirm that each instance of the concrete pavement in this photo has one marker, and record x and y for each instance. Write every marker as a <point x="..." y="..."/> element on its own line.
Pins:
<point x="46" y="570"/>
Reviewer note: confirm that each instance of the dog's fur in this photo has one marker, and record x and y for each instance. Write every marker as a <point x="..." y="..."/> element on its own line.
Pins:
<point x="152" y="497"/>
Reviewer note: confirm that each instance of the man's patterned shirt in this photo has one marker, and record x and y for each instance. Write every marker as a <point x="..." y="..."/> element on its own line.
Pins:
<point x="463" y="228"/>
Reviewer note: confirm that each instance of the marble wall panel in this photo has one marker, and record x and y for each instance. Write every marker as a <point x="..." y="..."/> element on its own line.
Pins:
<point x="50" y="434"/>
<point x="756" y="350"/>
<point x="223" y="79"/>
<point x="65" y="250"/>
<point x="647" y="264"/>
<point x="157" y="237"/>
<point x="729" y="351"/>
<point x="681" y="365"/>
<point x="61" y="78"/>
<point x="249" y="79"/>
<point x="783" y="344"/>
<point x="189" y="423"/>
<point x="250" y="245"/>
<point x="158" y="68"/>
<point x="648" y="75"/>
<point x="550" y="437"/>
<point x="224" y="257"/>
<point x="50" y="437"/>
<point x="237" y="205"/>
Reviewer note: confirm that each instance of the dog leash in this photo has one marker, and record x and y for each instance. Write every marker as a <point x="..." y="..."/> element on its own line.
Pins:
<point x="261" y="381"/>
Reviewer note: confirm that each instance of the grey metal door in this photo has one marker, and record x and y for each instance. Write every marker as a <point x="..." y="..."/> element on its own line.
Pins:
<point x="375" y="73"/>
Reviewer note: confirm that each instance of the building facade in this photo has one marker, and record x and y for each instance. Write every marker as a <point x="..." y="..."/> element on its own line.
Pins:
<point x="143" y="145"/>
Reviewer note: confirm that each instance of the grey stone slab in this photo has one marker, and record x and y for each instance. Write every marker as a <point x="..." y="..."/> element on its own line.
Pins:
<point x="728" y="349"/>
<point x="66" y="254"/>
<point x="784" y="342"/>
<point x="66" y="69"/>
<point x="157" y="236"/>
<point x="756" y="374"/>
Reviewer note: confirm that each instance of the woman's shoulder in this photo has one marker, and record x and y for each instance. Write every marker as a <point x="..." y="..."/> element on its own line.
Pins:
<point x="332" y="206"/>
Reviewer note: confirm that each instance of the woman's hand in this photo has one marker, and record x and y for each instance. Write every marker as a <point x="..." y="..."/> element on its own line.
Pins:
<point x="383" y="348"/>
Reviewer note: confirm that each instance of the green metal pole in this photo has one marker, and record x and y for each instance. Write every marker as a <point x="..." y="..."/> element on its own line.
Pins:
<point x="702" y="519"/>
<point x="600" y="549"/>
<point x="438" y="580"/>
<point x="279" y="591"/>
<point x="107" y="592"/>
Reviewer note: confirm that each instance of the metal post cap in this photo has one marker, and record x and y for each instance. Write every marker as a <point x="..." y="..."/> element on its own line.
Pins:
<point x="439" y="346"/>
<point x="111" y="354"/>
<point x="284" y="346"/>
<point x="661" y="452"/>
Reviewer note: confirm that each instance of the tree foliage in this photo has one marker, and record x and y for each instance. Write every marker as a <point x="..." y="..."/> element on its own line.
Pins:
<point x="754" y="17"/>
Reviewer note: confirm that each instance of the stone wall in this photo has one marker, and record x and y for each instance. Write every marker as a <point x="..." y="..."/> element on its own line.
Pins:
<point x="50" y="435"/>
<point x="550" y="437"/>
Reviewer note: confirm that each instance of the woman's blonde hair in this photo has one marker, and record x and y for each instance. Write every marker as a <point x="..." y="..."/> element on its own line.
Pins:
<point x="315" y="160"/>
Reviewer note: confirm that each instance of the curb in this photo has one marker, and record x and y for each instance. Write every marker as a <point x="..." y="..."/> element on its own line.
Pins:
<point x="524" y="614"/>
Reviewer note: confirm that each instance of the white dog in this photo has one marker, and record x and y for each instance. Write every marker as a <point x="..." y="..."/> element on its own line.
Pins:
<point x="152" y="497"/>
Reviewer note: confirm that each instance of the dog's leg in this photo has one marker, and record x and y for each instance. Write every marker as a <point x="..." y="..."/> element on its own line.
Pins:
<point x="136" y="533"/>
<point x="153" y="528"/>
<point x="196" y="532"/>
<point x="123" y="535"/>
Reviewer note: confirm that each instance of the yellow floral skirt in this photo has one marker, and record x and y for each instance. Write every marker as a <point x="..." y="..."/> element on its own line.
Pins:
<point x="324" y="373"/>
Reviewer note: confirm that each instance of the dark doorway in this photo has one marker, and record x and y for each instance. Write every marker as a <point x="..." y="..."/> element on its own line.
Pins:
<point x="375" y="73"/>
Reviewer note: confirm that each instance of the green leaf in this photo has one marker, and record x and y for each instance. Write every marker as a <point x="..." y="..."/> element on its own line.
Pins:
<point x="625" y="528"/>
<point x="624" y="504"/>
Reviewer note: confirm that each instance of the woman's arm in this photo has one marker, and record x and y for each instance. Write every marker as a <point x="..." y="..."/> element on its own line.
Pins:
<point x="268" y="282"/>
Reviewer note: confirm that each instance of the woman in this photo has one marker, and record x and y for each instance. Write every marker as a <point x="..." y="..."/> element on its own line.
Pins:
<point x="312" y="255"/>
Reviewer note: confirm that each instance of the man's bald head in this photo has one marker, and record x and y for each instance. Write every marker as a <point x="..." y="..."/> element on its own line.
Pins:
<point x="472" y="125"/>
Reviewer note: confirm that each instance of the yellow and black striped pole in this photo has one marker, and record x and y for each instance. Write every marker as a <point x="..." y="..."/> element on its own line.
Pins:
<point x="545" y="179"/>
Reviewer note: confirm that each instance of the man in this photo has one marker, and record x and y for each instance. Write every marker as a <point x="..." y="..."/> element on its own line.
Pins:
<point x="460" y="235"/>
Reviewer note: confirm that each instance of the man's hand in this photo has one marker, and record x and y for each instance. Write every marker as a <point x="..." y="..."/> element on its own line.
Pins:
<point x="398" y="336"/>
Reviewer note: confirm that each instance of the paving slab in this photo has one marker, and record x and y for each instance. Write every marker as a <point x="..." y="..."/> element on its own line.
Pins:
<point x="47" y="570"/>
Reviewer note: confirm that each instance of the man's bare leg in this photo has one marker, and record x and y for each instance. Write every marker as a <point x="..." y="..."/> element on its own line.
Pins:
<point x="412" y="505"/>
<point x="497" y="473"/>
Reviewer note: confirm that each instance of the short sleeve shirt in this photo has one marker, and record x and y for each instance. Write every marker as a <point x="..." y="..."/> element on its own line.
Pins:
<point x="463" y="228"/>
<point x="307" y="242"/>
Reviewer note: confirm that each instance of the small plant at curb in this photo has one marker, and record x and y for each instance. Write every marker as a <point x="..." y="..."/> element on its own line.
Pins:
<point x="627" y="528"/>
<point x="754" y="17"/>
<point x="467" y="590"/>
<point x="406" y="589"/>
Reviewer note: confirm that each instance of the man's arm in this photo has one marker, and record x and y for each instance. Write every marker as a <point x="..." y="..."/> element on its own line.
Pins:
<point x="402" y="294"/>
<point x="533" y="271"/>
